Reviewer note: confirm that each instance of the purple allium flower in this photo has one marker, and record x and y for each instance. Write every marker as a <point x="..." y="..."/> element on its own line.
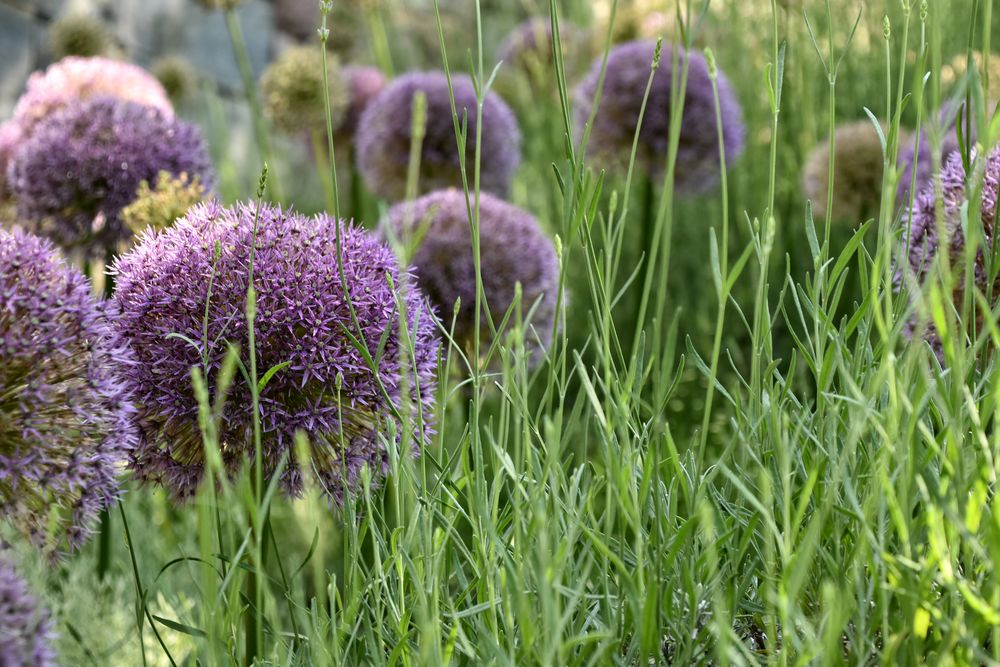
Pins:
<point x="71" y="80"/>
<point x="364" y="83"/>
<point x="921" y="159"/>
<point x="302" y="319"/>
<point x="75" y="79"/>
<point x="857" y="173"/>
<point x="513" y="249"/>
<point x="65" y="417"/>
<point x="83" y="164"/>
<point x="26" y="635"/>
<point x="921" y="242"/>
<point x="384" y="137"/>
<point x="611" y="137"/>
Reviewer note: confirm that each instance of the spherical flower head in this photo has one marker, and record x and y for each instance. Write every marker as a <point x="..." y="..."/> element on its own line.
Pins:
<point x="182" y="295"/>
<point x="177" y="76"/>
<point x="918" y="166"/>
<point x="294" y="94"/>
<point x="26" y="635"/>
<point x="385" y="135"/>
<point x="74" y="79"/>
<point x="65" y="417"/>
<point x="364" y="83"/>
<point x="84" y="164"/>
<point x="857" y="173"/>
<point x="921" y="242"/>
<point x="159" y="206"/>
<point x="614" y="127"/>
<point x="513" y="249"/>
<point x="78" y="34"/>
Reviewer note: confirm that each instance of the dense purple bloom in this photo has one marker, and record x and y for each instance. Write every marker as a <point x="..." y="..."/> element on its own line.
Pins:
<point x="75" y="79"/>
<point x="920" y="157"/>
<point x="83" y="164"/>
<point x="364" y="83"/>
<point x="26" y="635"/>
<point x="65" y="418"/>
<point x="513" y="249"/>
<point x="611" y="137"/>
<point x="921" y="241"/>
<point x="384" y="137"/>
<point x="69" y="81"/>
<point x="327" y="389"/>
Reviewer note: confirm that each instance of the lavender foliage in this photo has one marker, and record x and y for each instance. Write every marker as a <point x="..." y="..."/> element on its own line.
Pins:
<point x="384" y="137"/>
<point x="628" y="70"/>
<point x="513" y="249"/>
<point x="83" y="164"/>
<point x="65" y="416"/>
<point x="26" y="635"/>
<point x="304" y="326"/>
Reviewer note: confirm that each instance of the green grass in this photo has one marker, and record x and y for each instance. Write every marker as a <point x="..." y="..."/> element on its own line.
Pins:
<point x="732" y="456"/>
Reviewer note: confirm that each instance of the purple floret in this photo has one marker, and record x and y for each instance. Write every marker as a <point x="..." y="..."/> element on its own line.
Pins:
<point x="513" y="249"/>
<point x="327" y="389"/>
<point x="384" y="137"/>
<point x="921" y="241"/>
<point x="26" y="635"/>
<point x="65" y="418"/>
<point x="611" y="137"/>
<point x="84" y="163"/>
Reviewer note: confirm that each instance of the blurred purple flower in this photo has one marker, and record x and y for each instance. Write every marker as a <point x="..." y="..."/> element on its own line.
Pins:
<point x="364" y="83"/>
<point x="611" y="137"/>
<point x="921" y="241"/>
<point x="70" y="81"/>
<point x="327" y="388"/>
<point x="83" y="164"/>
<point x="65" y="417"/>
<point x="26" y="635"/>
<point x="513" y="249"/>
<point x="384" y="137"/>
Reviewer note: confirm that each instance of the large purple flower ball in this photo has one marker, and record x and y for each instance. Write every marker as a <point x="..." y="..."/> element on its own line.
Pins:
<point x="617" y="116"/>
<point x="918" y="166"/>
<point x="84" y="163"/>
<point x="513" y="249"/>
<point x="65" y="417"/>
<point x="26" y="635"/>
<point x="921" y="242"/>
<point x="181" y="306"/>
<point x="364" y="83"/>
<point x="384" y="137"/>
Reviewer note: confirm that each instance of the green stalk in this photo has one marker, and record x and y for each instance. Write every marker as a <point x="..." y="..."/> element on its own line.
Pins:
<point x="720" y="317"/>
<point x="255" y="590"/>
<point x="250" y="89"/>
